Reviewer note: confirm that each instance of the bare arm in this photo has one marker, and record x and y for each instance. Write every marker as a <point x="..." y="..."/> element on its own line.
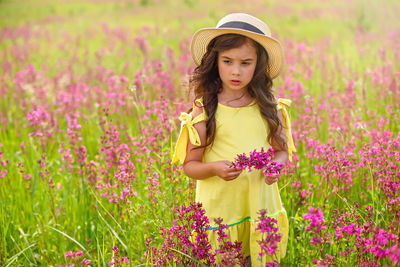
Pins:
<point x="193" y="165"/>
<point x="280" y="154"/>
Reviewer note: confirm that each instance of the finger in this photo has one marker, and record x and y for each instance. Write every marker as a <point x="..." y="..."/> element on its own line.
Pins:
<point x="233" y="167"/>
<point x="231" y="177"/>
<point x="234" y="171"/>
<point x="231" y="172"/>
<point x="237" y="173"/>
<point x="228" y="163"/>
<point x="270" y="180"/>
<point x="275" y="178"/>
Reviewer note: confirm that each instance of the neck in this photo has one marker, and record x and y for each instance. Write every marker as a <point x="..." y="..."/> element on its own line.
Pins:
<point x="228" y="94"/>
<point x="235" y="98"/>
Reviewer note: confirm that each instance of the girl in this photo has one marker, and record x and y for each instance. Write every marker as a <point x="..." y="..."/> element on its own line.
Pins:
<point x="235" y="112"/>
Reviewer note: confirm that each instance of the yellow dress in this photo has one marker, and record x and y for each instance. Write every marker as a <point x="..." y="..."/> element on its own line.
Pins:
<point x="238" y="131"/>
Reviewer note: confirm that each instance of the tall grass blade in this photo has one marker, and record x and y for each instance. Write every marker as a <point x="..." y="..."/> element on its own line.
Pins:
<point x="13" y="258"/>
<point x="71" y="238"/>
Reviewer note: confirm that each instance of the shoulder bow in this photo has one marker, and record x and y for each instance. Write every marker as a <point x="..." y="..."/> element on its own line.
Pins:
<point x="187" y="132"/>
<point x="282" y="104"/>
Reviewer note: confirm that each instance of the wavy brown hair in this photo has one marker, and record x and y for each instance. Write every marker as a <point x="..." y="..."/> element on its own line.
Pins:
<point x="206" y="83"/>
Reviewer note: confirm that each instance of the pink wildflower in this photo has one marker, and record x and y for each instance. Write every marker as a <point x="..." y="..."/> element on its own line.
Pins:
<point x="259" y="160"/>
<point x="316" y="218"/>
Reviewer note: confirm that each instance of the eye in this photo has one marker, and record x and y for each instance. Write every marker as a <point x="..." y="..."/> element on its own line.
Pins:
<point x="227" y="61"/>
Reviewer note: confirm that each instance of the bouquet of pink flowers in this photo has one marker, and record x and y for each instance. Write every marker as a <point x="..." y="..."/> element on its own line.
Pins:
<point x="259" y="160"/>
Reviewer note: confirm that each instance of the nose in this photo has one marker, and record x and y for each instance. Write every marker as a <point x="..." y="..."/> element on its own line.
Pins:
<point x="236" y="70"/>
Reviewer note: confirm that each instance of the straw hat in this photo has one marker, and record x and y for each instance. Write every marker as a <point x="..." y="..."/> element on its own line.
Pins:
<point x="244" y="24"/>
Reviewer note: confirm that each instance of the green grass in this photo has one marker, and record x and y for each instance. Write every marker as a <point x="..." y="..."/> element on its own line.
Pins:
<point x="39" y="224"/>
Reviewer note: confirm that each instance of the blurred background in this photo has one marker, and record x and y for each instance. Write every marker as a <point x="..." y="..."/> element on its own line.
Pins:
<point x="98" y="24"/>
<point x="90" y="95"/>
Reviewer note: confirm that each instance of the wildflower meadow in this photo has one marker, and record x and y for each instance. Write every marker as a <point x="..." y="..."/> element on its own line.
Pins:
<point x="90" y="95"/>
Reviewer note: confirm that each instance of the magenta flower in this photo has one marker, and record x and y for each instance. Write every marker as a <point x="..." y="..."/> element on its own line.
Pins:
<point x="269" y="228"/>
<point x="188" y="235"/>
<point x="316" y="218"/>
<point x="74" y="256"/>
<point x="3" y="164"/>
<point x="68" y="254"/>
<point x="117" y="259"/>
<point x="259" y="160"/>
<point x="230" y="253"/>
<point x="85" y="262"/>
<point x="394" y="254"/>
<point x="37" y="116"/>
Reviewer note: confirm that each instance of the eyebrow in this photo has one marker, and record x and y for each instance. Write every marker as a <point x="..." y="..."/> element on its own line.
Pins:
<point x="246" y="59"/>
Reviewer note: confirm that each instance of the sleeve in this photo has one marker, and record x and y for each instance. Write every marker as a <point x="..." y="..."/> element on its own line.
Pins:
<point x="188" y="132"/>
<point x="282" y="104"/>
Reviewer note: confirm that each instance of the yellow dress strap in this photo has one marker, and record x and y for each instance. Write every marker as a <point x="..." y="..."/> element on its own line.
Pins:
<point x="282" y="104"/>
<point x="188" y="132"/>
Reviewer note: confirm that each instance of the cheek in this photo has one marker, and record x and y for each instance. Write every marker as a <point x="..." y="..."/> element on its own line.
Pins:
<point x="222" y="70"/>
<point x="219" y="66"/>
<point x="250" y="72"/>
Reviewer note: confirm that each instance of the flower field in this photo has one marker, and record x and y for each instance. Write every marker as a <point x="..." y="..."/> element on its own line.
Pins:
<point x="91" y="92"/>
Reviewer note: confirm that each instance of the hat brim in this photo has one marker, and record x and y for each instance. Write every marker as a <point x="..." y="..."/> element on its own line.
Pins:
<point x="203" y="37"/>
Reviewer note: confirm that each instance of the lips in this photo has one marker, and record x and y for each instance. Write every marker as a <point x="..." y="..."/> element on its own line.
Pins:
<point x="235" y="82"/>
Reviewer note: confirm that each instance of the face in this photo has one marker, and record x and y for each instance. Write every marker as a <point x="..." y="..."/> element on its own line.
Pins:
<point x="236" y="67"/>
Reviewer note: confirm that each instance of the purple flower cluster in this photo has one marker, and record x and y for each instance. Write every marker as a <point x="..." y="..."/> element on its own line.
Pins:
<point x="186" y="242"/>
<point x="117" y="259"/>
<point x="3" y="164"/>
<point x="318" y="235"/>
<point x="384" y="155"/>
<point x="42" y="123"/>
<point x="355" y="236"/>
<point x="271" y="238"/>
<point x="259" y="160"/>
<point x="230" y="253"/>
<point x="117" y="142"/>
<point x="187" y="237"/>
<point x="372" y="243"/>
<point x="316" y="227"/>
<point x="316" y="218"/>
<point x="74" y="256"/>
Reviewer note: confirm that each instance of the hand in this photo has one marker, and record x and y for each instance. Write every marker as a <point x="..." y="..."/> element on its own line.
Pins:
<point x="226" y="171"/>
<point x="270" y="179"/>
